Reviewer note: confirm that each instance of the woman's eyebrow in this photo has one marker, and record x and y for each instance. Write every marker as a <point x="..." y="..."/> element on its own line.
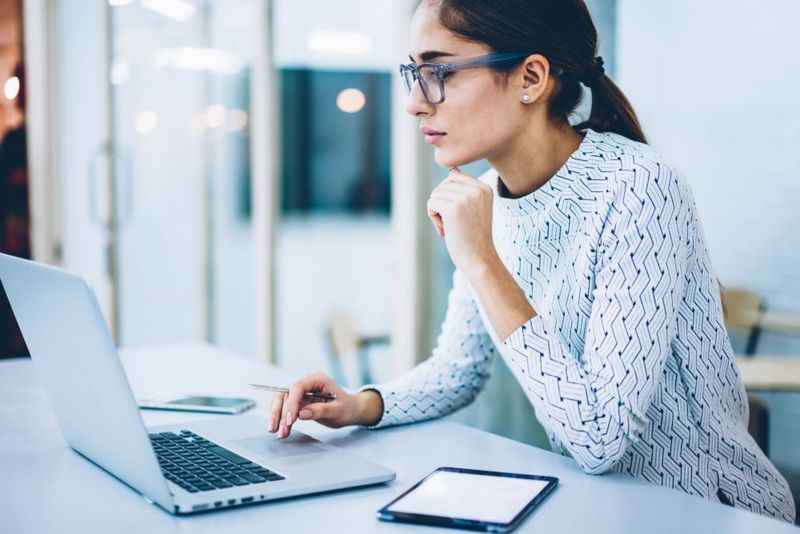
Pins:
<point x="431" y="54"/>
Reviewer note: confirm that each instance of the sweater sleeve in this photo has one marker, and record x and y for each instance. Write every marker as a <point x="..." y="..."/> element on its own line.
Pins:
<point x="595" y="402"/>
<point x="453" y="375"/>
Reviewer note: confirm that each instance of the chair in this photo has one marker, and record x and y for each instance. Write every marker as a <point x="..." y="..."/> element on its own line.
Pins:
<point x="744" y="311"/>
<point x="348" y="350"/>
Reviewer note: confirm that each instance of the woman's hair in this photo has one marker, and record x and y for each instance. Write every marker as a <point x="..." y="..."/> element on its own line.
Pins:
<point x="563" y="32"/>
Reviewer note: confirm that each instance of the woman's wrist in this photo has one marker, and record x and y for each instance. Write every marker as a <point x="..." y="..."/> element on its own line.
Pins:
<point x="482" y="267"/>
<point x="369" y="407"/>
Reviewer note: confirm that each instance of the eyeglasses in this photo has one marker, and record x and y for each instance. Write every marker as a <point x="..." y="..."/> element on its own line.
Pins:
<point x="431" y="76"/>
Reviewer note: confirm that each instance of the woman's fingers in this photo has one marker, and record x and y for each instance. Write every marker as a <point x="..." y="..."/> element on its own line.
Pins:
<point x="435" y="216"/>
<point x="289" y="418"/>
<point x="296" y="398"/>
<point x="452" y="194"/>
<point x="317" y="411"/>
<point x="459" y="191"/>
<point x="458" y="176"/>
<point x="436" y="219"/>
<point x="276" y="412"/>
<point x="439" y="205"/>
<point x="464" y="182"/>
<point x="450" y="190"/>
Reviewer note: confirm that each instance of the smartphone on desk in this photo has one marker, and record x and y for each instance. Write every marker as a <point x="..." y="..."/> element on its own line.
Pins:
<point x="194" y="403"/>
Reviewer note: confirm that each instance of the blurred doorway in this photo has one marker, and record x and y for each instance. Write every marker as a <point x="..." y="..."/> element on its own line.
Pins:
<point x="154" y="102"/>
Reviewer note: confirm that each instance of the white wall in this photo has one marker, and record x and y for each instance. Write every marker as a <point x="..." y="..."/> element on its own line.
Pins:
<point x="329" y="263"/>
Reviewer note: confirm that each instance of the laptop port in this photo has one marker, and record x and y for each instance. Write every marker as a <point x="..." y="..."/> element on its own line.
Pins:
<point x="231" y="501"/>
<point x="217" y="504"/>
<point x="247" y="499"/>
<point x="200" y="507"/>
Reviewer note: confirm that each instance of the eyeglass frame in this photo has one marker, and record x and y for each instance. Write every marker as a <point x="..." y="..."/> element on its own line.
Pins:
<point x="441" y="70"/>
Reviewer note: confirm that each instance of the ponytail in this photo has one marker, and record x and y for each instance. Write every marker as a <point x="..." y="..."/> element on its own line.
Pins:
<point x="611" y="111"/>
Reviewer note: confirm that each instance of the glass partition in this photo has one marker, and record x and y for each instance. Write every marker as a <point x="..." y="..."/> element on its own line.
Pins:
<point x="181" y="80"/>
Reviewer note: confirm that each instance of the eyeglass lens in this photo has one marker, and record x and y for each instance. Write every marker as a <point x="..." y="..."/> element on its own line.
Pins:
<point x="432" y="86"/>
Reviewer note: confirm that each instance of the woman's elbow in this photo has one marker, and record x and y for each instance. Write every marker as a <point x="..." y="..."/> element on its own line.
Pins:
<point x="601" y="461"/>
<point x="596" y="468"/>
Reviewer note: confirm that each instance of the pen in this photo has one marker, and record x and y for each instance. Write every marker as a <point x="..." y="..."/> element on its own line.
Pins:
<point x="311" y="394"/>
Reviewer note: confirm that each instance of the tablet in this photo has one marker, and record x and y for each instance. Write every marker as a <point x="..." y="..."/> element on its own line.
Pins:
<point x="471" y="499"/>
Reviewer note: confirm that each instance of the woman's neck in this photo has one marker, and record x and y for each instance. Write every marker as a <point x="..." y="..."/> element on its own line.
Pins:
<point x="534" y="157"/>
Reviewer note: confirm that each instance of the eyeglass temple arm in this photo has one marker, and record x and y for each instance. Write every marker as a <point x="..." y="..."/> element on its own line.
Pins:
<point x="498" y="57"/>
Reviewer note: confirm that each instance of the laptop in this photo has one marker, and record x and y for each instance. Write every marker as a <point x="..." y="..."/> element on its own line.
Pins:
<point x="193" y="467"/>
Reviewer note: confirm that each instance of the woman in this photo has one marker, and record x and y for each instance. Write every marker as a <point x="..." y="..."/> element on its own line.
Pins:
<point x="579" y="256"/>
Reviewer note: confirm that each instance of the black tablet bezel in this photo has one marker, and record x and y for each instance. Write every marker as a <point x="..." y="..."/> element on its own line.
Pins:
<point x="470" y="524"/>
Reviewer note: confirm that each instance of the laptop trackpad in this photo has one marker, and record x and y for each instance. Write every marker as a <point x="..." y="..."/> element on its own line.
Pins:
<point x="293" y="445"/>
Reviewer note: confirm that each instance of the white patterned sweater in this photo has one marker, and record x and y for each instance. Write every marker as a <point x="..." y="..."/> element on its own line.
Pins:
<point x="627" y="363"/>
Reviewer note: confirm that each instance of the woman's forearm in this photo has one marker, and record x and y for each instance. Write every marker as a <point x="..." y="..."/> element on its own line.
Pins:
<point x="502" y="299"/>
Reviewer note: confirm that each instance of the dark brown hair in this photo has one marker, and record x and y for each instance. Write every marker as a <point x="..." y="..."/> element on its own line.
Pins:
<point x="563" y="32"/>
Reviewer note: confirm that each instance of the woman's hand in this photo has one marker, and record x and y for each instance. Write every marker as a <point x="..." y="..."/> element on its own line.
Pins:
<point x="345" y="410"/>
<point x="461" y="210"/>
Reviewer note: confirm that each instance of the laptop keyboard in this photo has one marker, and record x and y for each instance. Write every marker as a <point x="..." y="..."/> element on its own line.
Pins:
<point x="197" y="464"/>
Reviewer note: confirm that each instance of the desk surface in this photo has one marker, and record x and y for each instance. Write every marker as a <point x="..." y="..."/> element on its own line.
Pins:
<point x="46" y="487"/>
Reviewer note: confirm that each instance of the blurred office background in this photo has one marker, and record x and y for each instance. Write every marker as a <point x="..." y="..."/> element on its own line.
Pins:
<point x="242" y="172"/>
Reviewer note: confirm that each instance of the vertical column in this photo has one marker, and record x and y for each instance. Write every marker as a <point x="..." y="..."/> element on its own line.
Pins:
<point x="411" y="174"/>
<point x="265" y="161"/>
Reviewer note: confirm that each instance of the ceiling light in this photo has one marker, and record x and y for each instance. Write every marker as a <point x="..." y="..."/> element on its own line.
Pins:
<point x="238" y="120"/>
<point x="146" y="122"/>
<point x="348" y="43"/>
<point x="215" y="116"/>
<point x="209" y="59"/>
<point x="175" y="9"/>
<point x="351" y="100"/>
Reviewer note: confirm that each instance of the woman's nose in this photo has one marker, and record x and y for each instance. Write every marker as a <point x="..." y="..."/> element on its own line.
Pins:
<point x="417" y="103"/>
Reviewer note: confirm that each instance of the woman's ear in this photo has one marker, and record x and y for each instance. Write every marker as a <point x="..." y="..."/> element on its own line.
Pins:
<point x="535" y="75"/>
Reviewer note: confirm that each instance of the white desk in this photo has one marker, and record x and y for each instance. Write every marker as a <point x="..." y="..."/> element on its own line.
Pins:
<point x="776" y="374"/>
<point x="46" y="487"/>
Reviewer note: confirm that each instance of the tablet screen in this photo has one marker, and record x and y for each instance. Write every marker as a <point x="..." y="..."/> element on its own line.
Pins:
<point x="494" y="499"/>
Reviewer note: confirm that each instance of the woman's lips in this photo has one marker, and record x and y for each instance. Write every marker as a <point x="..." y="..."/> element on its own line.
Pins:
<point x="432" y="136"/>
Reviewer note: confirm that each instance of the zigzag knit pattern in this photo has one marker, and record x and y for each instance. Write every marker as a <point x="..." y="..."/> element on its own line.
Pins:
<point x="627" y="363"/>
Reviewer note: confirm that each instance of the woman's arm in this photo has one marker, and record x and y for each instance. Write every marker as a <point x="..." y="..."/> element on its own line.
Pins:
<point x="596" y="401"/>
<point x="448" y="380"/>
<point x="505" y="304"/>
<point x="461" y="209"/>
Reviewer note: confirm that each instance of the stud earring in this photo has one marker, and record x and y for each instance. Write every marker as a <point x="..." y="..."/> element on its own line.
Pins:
<point x="526" y="99"/>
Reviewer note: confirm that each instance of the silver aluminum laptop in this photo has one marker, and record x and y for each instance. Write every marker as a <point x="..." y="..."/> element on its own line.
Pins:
<point x="205" y="465"/>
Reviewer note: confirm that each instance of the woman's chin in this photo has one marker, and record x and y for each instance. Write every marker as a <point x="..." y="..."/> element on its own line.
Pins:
<point x="445" y="159"/>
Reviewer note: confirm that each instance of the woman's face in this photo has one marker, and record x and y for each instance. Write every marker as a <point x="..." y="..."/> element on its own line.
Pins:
<point x="479" y="115"/>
